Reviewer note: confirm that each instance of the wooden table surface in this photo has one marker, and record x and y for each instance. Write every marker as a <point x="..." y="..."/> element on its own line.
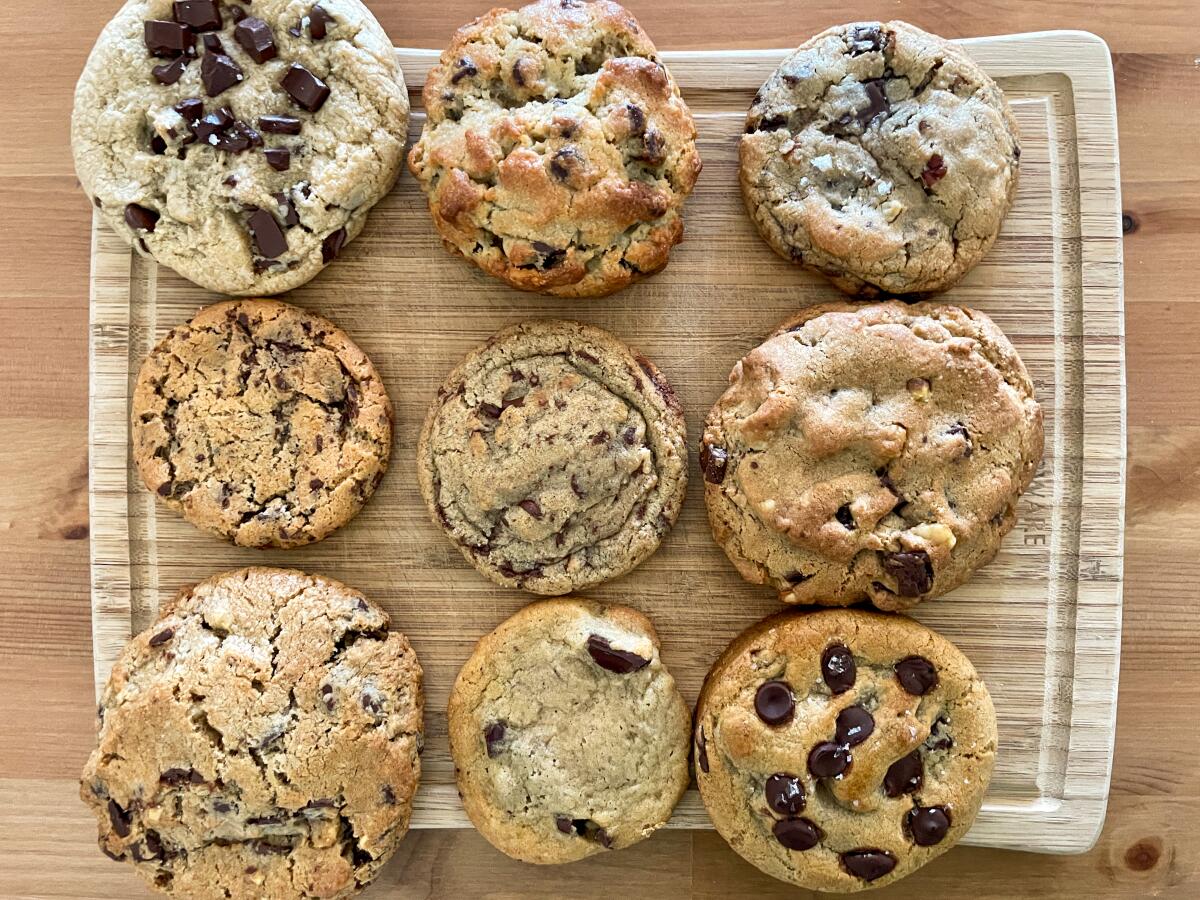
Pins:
<point x="1150" y="845"/>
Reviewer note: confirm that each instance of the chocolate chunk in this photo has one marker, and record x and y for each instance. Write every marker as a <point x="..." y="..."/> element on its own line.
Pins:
<point x="318" y="23"/>
<point x="331" y="247"/>
<point x="279" y="158"/>
<point x="866" y="39"/>
<point x="797" y="834"/>
<point x="268" y="237"/>
<point x="387" y="794"/>
<point x="928" y="824"/>
<point x="845" y="517"/>
<point x="309" y="91"/>
<point x="828" y="760"/>
<point x="713" y="461"/>
<point x="169" y="73"/>
<point x="167" y="40"/>
<point x="792" y="578"/>
<point x="212" y="43"/>
<point x="563" y="824"/>
<point x="868" y="864"/>
<point x="934" y="171"/>
<point x="162" y="637"/>
<point x="181" y="776"/>
<point x="877" y="102"/>
<point x="279" y="124"/>
<point x="904" y="776"/>
<point x="937" y="740"/>
<point x="219" y="73"/>
<point x="654" y="147"/>
<point x="115" y="857"/>
<point x="637" y="118"/>
<point x="492" y="736"/>
<point x="838" y="668"/>
<point x="912" y="570"/>
<point x="531" y="507"/>
<point x="210" y="127"/>
<point x="960" y="430"/>
<point x="238" y="138"/>
<point x="120" y="818"/>
<point x="316" y="484"/>
<point x="701" y="751"/>
<point x="199" y="15"/>
<point x="563" y="162"/>
<point x="854" y="725"/>
<point x="191" y="110"/>
<point x="237" y="13"/>
<point x="774" y="703"/>
<point x="466" y="69"/>
<point x="785" y="794"/>
<point x="606" y="657"/>
<point x="140" y="218"/>
<point x="917" y="675"/>
<point x="290" y="220"/>
<point x="256" y="39"/>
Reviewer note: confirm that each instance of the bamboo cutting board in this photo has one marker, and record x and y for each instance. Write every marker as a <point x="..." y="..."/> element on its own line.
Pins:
<point x="1042" y="622"/>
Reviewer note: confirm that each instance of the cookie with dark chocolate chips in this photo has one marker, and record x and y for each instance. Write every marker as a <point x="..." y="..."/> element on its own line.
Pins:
<point x="568" y="734"/>
<point x="261" y="423"/>
<point x="557" y="153"/>
<point x="871" y="452"/>
<point x="880" y="766"/>
<point x="192" y="117"/>
<point x="554" y="457"/>
<point x="881" y="156"/>
<point x="261" y="739"/>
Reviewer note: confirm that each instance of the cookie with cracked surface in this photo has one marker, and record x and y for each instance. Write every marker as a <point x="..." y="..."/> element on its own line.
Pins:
<point x="881" y="156"/>
<point x="871" y="452"/>
<point x="241" y="145"/>
<point x="557" y="152"/>
<point x="554" y="457"/>
<point x="842" y="750"/>
<point x="568" y="734"/>
<point x="260" y="740"/>
<point x="261" y="423"/>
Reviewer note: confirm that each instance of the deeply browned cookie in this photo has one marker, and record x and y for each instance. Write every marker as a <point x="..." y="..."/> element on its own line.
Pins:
<point x="871" y="452"/>
<point x="557" y="152"/>
<point x="262" y="423"/>
<point x="843" y="750"/>
<point x="260" y="740"/>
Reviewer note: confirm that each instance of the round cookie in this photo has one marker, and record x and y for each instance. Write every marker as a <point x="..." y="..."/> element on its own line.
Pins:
<point x="568" y="734"/>
<point x="881" y="156"/>
<point x="871" y="452"/>
<point x="557" y="152"/>
<point x="242" y="145"/>
<point x="554" y="457"/>
<point x="842" y="750"/>
<point x="260" y="740"/>
<point x="261" y="423"/>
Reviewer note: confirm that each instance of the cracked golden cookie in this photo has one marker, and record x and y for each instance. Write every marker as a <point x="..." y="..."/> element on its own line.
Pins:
<point x="554" y="457"/>
<point x="882" y="157"/>
<point x="568" y="734"/>
<point x="261" y="423"/>
<point x="557" y="152"/>
<point x="842" y="750"/>
<point x="871" y="452"/>
<point x="260" y="740"/>
<point x="240" y="144"/>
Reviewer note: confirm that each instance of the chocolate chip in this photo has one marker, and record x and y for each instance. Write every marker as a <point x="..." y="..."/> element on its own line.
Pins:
<point x="167" y="40"/>
<point x="371" y="702"/>
<point x="331" y="247"/>
<point x="290" y="220"/>
<point x="531" y="507"/>
<point x="268" y="237"/>
<point x="934" y="171"/>
<point x="492" y="736"/>
<point x="589" y="830"/>
<point x="237" y="13"/>
<point x="928" y="824"/>
<point x="958" y="429"/>
<point x="279" y="158"/>
<point x="904" y="776"/>
<point x="774" y="703"/>
<point x="212" y="43"/>
<point x="785" y="794"/>
<point x="318" y="23"/>
<point x="877" y="102"/>
<point x="866" y="39"/>
<point x="868" y="864"/>
<point x="838" y="668"/>
<point x="466" y="69"/>
<point x="797" y="834"/>
<point x="563" y="162"/>
<point x="115" y="857"/>
<point x="256" y="39"/>
<point x="701" y="751"/>
<point x="120" y="818"/>
<point x="854" y="725"/>
<point x="575" y="488"/>
<point x="845" y="517"/>
<point x="792" y="578"/>
<point x="327" y="696"/>
<point x="279" y="124"/>
<point x="654" y="146"/>
<point x="309" y="91"/>
<point x="637" y="118"/>
<point x="169" y="73"/>
<point x="937" y="740"/>
<point x="912" y="570"/>
<point x="219" y="73"/>
<point x="181" y="776"/>
<point x="916" y="675"/>
<point x="140" y="218"/>
<point x="828" y="760"/>
<point x="199" y="15"/>
<point x="620" y="661"/>
<point x="162" y="637"/>
<point x="713" y="461"/>
<point x="583" y="354"/>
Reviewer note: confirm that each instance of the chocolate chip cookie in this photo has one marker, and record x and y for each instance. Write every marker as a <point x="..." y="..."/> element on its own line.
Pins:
<point x="261" y="423"/>
<point x="554" y="457"/>
<point x="842" y="750"/>
<point x="557" y="152"/>
<point x="241" y="144"/>
<point x="871" y="452"/>
<point x="568" y="734"/>
<point x="260" y="740"/>
<point x="881" y="156"/>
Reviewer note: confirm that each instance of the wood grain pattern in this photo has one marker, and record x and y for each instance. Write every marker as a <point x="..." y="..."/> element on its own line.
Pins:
<point x="1042" y="623"/>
